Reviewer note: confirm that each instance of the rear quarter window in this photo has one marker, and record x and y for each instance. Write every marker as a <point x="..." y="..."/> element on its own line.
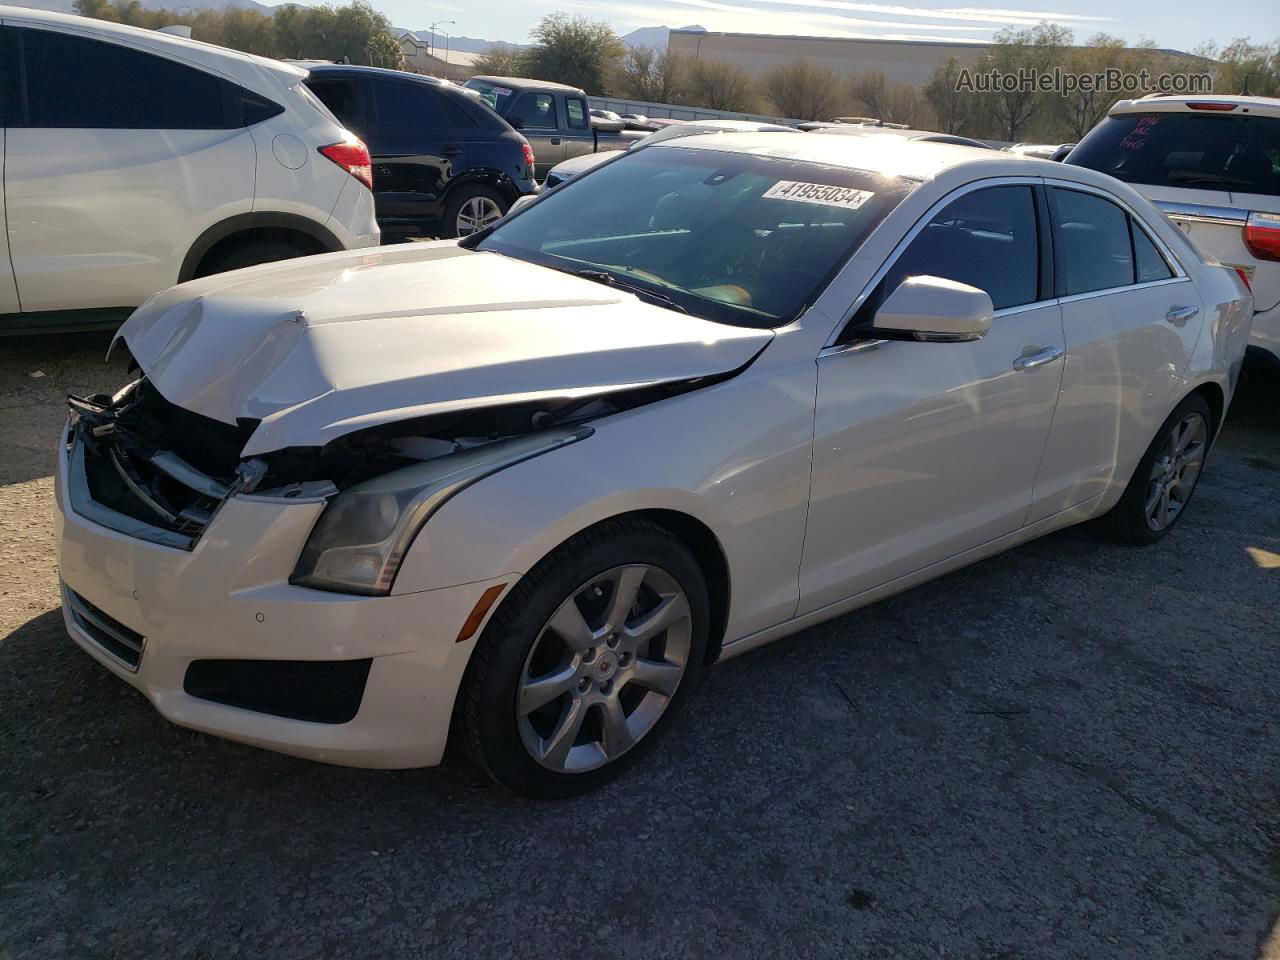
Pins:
<point x="1205" y="151"/>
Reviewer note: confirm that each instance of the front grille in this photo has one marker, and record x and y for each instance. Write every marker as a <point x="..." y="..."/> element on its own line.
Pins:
<point x="320" y="691"/>
<point x="112" y="636"/>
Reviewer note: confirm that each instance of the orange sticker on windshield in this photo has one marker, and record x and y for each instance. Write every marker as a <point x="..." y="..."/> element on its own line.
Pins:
<point x="824" y="193"/>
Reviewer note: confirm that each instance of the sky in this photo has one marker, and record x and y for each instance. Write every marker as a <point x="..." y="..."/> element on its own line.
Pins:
<point x="1178" y="24"/>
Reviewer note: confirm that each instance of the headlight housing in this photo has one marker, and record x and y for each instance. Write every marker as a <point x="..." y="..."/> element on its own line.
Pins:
<point x="363" y="534"/>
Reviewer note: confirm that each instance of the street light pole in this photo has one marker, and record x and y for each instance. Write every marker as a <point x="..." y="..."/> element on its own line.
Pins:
<point x="438" y="23"/>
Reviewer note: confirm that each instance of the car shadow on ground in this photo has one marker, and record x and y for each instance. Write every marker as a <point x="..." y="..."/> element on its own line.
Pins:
<point x="1066" y="750"/>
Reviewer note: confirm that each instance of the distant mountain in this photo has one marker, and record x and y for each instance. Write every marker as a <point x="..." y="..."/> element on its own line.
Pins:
<point x="460" y="44"/>
<point x="655" y="37"/>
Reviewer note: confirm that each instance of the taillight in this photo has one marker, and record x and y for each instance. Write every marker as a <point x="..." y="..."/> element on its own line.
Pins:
<point x="1212" y="105"/>
<point x="1245" y="277"/>
<point x="353" y="157"/>
<point x="1262" y="235"/>
<point x="528" y="153"/>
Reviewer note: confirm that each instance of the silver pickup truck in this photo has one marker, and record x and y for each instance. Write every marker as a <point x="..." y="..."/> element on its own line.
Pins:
<point x="554" y="118"/>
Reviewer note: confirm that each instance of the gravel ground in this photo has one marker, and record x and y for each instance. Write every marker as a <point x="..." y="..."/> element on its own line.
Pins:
<point x="1070" y="750"/>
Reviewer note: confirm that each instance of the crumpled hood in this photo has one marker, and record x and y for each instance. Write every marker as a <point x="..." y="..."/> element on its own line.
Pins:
<point x="323" y="346"/>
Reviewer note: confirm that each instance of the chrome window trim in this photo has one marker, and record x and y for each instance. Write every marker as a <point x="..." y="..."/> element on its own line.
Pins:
<point x="1089" y="295"/>
<point x="1170" y="257"/>
<point x="910" y="235"/>
<point x="1202" y="212"/>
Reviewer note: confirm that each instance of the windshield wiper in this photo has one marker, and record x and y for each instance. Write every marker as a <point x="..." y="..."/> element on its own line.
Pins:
<point x="610" y="280"/>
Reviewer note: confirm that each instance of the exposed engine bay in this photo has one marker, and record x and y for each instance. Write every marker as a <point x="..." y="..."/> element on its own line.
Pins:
<point x="163" y="466"/>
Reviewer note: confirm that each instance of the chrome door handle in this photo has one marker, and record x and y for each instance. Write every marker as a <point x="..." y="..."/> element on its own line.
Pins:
<point x="1047" y="355"/>
<point x="1179" y="316"/>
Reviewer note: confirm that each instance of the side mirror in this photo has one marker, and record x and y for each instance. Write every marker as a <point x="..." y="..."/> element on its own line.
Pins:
<point x="935" y="310"/>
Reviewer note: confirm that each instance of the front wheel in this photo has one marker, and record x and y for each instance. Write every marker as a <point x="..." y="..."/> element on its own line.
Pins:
<point x="472" y="209"/>
<point x="1166" y="477"/>
<point x="587" y="662"/>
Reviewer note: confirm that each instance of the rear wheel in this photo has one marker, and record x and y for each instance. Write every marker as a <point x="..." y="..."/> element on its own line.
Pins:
<point x="248" y="254"/>
<point x="472" y="209"/>
<point x="1167" y="475"/>
<point x="587" y="662"/>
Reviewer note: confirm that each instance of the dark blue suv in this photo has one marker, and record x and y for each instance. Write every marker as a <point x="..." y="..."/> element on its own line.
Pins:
<point x="444" y="164"/>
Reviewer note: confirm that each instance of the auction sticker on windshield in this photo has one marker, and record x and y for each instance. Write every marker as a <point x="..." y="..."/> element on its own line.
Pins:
<point x="824" y="193"/>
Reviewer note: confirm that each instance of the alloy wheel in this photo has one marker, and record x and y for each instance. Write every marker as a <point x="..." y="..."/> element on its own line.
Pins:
<point x="1176" y="470"/>
<point x="476" y="214"/>
<point x="604" y="668"/>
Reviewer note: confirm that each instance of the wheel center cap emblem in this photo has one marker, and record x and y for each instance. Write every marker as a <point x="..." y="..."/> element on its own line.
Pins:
<point x="606" y="666"/>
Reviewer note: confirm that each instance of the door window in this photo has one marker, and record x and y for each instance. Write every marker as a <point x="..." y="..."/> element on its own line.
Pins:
<point x="338" y="94"/>
<point x="78" y="83"/>
<point x="533" y="111"/>
<point x="405" y="108"/>
<point x="577" y="110"/>
<point x="1091" y="237"/>
<point x="987" y="239"/>
<point x="1148" y="261"/>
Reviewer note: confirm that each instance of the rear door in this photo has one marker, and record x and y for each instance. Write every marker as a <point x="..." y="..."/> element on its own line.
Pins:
<point x="8" y="91"/>
<point x="1131" y="318"/>
<point x="534" y="115"/>
<point x="117" y="160"/>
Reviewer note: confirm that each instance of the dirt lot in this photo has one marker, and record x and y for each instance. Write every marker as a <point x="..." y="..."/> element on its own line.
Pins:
<point x="1068" y="751"/>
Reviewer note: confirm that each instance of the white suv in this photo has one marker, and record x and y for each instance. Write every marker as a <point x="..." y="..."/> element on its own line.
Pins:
<point x="1212" y="164"/>
<point x="134" y="160"/>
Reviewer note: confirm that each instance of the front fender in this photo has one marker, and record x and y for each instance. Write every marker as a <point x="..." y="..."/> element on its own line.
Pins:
<point x="734" y="456"/>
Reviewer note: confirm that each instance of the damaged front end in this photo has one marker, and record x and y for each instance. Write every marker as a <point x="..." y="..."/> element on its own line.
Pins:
<point x="152" y="470"/>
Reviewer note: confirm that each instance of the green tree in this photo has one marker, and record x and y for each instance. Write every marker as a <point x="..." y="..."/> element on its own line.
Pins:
<point x="1245" y="66"/>
<point x="574" y="50"/>
<point x="718" y="85"/>
<point x="500" y="60"/>
<point x="953" y="108"/>
<point x="890" y="102"/>
<point x="804" y="90"/>
<point x="650" y="75"/>
<point x="1035" y="51"/>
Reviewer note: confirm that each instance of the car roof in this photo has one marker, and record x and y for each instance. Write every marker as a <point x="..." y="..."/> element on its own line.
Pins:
<point x="1264" y="106"/>
<point x="354" y="68"/>
<point x="890" y="156"/>
<point x="198" y="50"/>
<point x="524" y="83"/>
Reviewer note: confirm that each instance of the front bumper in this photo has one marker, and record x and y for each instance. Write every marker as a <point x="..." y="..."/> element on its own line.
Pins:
<point x="228" y="598"/>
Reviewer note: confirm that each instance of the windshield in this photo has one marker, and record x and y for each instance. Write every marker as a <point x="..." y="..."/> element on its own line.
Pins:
<point x="735" y="238"/>
<point x="494" y="95"/>
<point x="1206" y="151"/>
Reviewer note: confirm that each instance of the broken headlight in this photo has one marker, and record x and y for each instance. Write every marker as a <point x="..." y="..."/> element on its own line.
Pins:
<point x="361" y="538"/>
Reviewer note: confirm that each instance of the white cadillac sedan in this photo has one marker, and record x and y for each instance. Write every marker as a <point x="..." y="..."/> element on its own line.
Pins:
<point x="521" y="489"/>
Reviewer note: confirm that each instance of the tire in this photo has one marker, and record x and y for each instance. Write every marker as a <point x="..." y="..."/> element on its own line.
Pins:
<point x="1161" y="468"/>
<point x="249" y="254"/>
<point x="471" y="208"/>
<point x="525" y="685"/>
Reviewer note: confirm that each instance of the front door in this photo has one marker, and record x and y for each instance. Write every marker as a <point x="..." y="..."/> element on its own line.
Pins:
<point x="925" y="450"/>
